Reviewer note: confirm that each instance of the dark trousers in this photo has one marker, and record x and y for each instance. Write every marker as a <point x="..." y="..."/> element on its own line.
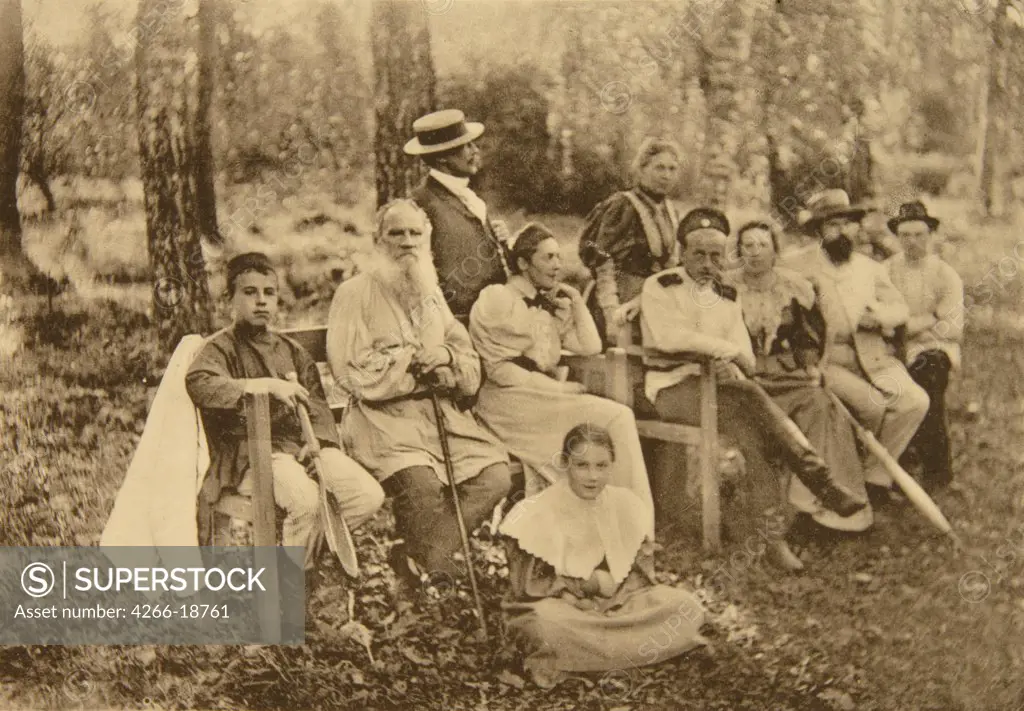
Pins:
<point x="425" y="514"/>
<point x="930" y="443"/>
<point x="748" y="417"/>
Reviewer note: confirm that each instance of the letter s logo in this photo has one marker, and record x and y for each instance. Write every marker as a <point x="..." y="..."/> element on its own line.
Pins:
<point x="37" y="580"/>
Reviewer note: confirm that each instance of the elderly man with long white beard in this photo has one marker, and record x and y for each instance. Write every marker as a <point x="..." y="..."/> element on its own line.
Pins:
<point x="391" y="342"/>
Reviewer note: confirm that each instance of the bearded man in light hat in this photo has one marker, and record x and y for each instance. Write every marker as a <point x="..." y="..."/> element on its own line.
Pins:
<point x="468" y="247"/>
<point x="862" y="308"/>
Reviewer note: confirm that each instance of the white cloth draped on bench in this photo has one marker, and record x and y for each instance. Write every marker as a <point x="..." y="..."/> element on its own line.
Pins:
<point x="156" y="505"/>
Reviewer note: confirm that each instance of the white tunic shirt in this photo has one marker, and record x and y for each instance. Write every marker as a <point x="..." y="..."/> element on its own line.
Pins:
<point x="931" y="287"/>
<point x="677" y="315"/>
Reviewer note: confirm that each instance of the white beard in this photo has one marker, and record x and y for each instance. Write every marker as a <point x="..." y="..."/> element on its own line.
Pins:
<point x="412" y="282"/>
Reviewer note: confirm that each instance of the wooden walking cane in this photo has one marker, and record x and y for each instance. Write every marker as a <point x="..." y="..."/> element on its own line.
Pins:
<point x="442" y="433"/>
<point x="335" y="529"/>
<point x="917" y="496"/>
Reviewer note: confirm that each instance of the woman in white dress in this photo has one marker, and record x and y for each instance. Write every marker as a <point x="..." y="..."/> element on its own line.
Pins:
<point x="520" y="329"/>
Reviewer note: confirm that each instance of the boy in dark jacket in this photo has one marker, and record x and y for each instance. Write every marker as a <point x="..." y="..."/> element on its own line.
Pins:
<point x="248" y="357"/>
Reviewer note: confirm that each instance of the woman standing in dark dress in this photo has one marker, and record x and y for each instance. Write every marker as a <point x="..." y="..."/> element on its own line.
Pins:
<point x="632" y="235"/>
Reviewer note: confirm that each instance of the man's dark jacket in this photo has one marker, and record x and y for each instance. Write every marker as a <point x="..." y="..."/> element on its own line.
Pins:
<point x="467" y="254"/>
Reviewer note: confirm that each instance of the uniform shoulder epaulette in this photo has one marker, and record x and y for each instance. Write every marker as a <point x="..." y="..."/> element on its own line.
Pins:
<point x="725" y="291"/>
<point x="670" y="279"/>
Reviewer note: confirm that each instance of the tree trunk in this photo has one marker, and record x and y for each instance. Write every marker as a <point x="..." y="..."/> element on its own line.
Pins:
<point x="860" y="169"/>
<point x="168" y="115"/>
<point x="12" y="106"/>
<point x="204" y="142"/>
<point x="783" y="206"/>
<point x="42" y="181"/>
<point x="726" y="53"/>
<point x="404" y="87"/>
<point x="994" y="106"/>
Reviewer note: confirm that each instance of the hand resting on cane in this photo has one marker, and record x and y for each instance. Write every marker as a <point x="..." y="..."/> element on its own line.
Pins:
<point x="433" y="367"/>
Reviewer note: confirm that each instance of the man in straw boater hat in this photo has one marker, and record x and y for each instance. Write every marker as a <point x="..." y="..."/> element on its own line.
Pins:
<point x="468" y="247"/>
<point x="688" y="309"/>
<point x="861" y="307"/>
<point x="392" y="346"/>
<point x="934" y="294"/>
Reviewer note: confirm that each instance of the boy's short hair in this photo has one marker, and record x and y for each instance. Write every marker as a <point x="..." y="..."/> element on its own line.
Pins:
<point x="248" y="262"/>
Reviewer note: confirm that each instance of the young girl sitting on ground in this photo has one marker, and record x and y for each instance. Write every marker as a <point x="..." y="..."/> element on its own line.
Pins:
<point x="583" y="596"/>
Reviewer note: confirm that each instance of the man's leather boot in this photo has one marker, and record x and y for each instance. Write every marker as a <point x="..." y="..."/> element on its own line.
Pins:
<point x="812" y="471"/>
<point x="783" y="557"/>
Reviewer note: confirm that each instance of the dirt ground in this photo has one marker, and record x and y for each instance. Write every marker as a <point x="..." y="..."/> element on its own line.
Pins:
<point x="892" y="619"/>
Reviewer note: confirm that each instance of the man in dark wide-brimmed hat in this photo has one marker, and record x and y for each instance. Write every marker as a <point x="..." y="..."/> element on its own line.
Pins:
<point x="934" y="294"/>
<point x="468" y="246"/>
<point x="861" y="307"/>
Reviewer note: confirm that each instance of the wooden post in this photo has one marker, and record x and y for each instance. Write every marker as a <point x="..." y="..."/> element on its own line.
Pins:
<point x="257" y="421"/>
<point x="709" y="459"/>
<point x="617" y="381"/>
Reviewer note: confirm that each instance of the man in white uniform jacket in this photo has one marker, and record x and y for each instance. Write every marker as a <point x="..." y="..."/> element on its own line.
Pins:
<point x="687" y="309"/>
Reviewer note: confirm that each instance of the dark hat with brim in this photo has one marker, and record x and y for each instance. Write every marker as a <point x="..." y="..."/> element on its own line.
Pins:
<point x="913" y="212"/>
<point x="827" y="205"/>
<point x="441" y="131"/>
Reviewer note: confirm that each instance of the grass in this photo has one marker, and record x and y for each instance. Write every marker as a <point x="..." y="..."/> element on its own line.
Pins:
<point x="891" y="619"/>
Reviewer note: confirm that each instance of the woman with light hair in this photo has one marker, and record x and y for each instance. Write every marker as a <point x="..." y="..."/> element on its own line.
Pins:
<point x="632" y="235"/>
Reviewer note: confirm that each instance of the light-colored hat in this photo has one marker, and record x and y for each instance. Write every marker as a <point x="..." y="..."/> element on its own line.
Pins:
<point x="442" y="131"/>
<point x="828" y="204"/>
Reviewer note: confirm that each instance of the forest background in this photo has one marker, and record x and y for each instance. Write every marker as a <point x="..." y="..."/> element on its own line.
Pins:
<point x="154" y="138"/>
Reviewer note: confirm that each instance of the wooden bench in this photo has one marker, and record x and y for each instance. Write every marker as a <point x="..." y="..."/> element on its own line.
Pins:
<point x="610" y="375"/>
<point x="617" y="374"/>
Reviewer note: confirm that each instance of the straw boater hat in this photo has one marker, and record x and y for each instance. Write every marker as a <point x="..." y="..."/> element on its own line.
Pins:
<point x="913" y="212"/>
<point x="828" y="204"/>
<point x="442" y="131"/>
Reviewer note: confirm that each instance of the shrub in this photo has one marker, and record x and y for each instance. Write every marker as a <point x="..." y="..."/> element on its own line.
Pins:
<point x="511" y="102"/>
<point x="113" y="346"/>
<point x="595" y="176"/>
<point x="931" y="179"/>
<point x="913" y="174"/>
